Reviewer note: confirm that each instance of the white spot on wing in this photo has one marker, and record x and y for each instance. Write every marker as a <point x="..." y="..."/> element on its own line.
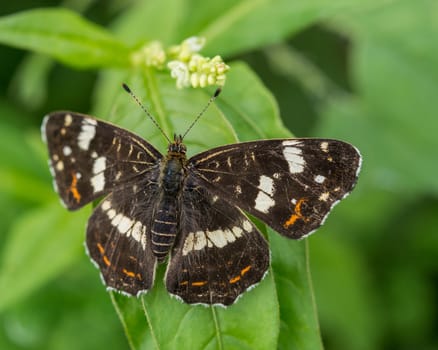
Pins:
<point x="218" y="238"/>
<point x="143" y="239"/>
<point x="125" y="224"/>
<point x="60" y="166"/>
<point x="229" y="236"/>
<point x="98" y="182"/>
<point x="99" y="165"/>
<point x="188" y="244"/>
<point x="319" y="179"/>
<point x="200" y="241"/>
<point x="324" y="196"/>
<point x="88" y="131"/>
<point x="266" y="184"/>
<point x="66" y="151"/>
<point x="247" y="226"/>
<point x="293" y="156"/>
<point x="116" y="220"/>
<point x="106" y="205"/>
<point x="263" y="202"/>
<point x="68" y="119"/>
<point x="324" y="146"/>
<point x="237" y="231"/>
<point x="111" y="214"/>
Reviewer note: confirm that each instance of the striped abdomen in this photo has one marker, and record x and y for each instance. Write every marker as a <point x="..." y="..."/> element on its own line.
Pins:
<point x="164" y="227"/>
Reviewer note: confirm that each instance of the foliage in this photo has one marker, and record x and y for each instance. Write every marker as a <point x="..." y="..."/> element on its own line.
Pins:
<point x="373" y="263"/>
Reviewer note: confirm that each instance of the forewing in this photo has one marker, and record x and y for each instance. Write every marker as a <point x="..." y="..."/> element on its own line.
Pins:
<point x="89" y="158"/>
<point x="118" y="237"/>
<point x="218" y="254"/>
<point x="290" y="184"/>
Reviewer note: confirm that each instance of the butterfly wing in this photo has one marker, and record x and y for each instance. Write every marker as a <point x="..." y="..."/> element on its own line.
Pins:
<point x="118" y="236"/>
<point x="290" y="184"/>
<point x="218" y="254"/>
<point x="89" y="158"/>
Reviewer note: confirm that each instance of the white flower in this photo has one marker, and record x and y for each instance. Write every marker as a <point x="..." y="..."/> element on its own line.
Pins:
<point x="151" y="55"/>
<point x="180" y="72"/>
<point x="194" y="43"/>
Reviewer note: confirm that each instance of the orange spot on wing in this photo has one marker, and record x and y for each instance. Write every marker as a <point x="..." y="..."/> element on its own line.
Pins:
<point x="128" y="273"/>
<point x="100" y="247"/>
<point x="291" y="220"/>
<point x="239" y="277"/>
<point x="73" y="188"/>
<point x="245" y="270"/>
<point x="199" y="284"/>
<point x="296" y="215"/>
<point x="102" y="252"/>
<point x="235" y="279"/>
<point x="184" y="283"/>
<point x="106" y="261"/>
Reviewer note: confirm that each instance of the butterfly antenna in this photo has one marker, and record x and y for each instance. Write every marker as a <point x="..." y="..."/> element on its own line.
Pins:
<point x="128" y="90"/>
<point x="210" y="101"/>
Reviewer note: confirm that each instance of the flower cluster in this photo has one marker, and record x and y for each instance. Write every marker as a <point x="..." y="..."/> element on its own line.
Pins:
<point x="187" y="66"/>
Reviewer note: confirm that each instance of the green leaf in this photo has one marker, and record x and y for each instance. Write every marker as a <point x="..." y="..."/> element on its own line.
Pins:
<point x="30" y="82"/>
<point x="394" y="67"/>
<point x="298" y="314"/>
<point x="39" y="247"/>
<point x="163" y="20"/>
<point x="251" y="118"/>
<point x="163" y="322"/>
<point x="23" y="173"/>
<point x="344" y="292"/>
<point x="230" y="27"/>
<point x="65" y="36"/>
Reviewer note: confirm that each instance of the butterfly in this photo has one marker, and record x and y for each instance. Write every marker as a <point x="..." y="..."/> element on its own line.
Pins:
<point x="191" y="212"/>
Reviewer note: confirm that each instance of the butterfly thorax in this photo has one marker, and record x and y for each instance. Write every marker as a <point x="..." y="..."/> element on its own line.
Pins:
<point x="165" y="221"/>
<point x="172" y="172"/>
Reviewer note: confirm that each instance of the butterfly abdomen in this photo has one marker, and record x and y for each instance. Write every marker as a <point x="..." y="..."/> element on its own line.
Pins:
<point x="164" y="227"/>
<point x="164" y="224"/>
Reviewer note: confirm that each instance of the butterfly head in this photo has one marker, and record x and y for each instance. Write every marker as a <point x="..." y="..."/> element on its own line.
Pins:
<point x="177" y="146"/>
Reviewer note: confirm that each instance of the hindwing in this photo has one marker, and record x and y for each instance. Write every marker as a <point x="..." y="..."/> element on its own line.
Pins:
<point x="219" y="253"/>
<point x="290" y="184"/>
<point x="90" y="158"/>
<point x="119" y="236"/>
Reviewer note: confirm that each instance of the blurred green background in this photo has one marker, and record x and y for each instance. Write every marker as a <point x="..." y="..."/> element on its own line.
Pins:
<point x="364" y="72"/>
